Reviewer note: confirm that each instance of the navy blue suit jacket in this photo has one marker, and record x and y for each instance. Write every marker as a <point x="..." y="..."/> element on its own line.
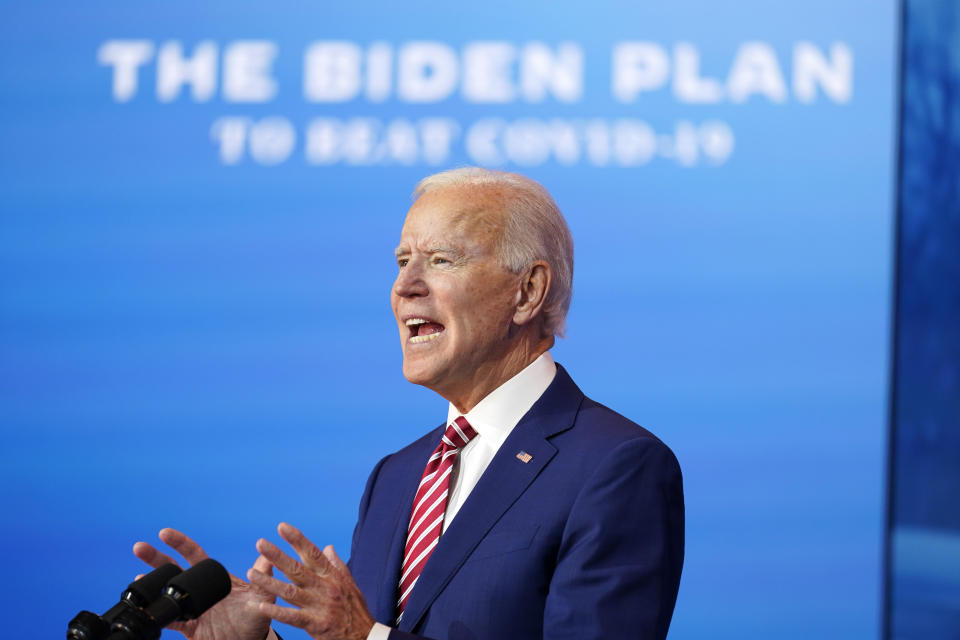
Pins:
<point x="583" y="541"/>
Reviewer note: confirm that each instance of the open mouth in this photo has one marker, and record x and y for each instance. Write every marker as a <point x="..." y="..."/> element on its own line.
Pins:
<point x="423" y="330"/>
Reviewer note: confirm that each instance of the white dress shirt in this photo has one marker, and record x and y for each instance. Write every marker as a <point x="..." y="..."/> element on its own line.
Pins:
<point x="493" y="418"/>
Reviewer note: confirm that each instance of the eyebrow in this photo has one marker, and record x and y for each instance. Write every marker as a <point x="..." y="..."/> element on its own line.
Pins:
<point x="453" y="251"/>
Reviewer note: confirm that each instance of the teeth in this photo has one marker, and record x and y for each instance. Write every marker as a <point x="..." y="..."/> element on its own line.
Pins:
<point x="425" y="338"/>
<point x="415" y="321"/>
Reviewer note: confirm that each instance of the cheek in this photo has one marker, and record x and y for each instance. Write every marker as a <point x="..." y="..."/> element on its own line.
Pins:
<point x="494" y="313"/>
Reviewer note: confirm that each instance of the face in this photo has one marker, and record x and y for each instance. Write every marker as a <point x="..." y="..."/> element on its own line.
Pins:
<point x="454" y="303"/>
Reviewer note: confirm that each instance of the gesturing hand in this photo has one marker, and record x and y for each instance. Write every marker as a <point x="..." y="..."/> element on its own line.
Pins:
<point x="236" y="617"/>
<point x="329" y="605"/>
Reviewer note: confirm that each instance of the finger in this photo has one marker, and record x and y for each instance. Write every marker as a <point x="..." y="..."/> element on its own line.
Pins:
<point x="334" y="560"/>
<point x="295" y="571"/>
<point x="149" y="554"/>
<point x="309" y="553"/>
<point x="184" y="545"/>
<point x="286" y="615"/>
<point x="262" y="565"/>
<point x="289" y="592"/>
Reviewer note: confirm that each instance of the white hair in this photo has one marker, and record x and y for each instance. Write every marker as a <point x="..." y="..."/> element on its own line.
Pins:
<point x="535" y="230"/>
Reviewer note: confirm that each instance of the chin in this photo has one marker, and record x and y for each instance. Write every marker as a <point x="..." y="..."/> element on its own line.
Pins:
<point x="423" y="373"/>
<point x="416" y="373"/>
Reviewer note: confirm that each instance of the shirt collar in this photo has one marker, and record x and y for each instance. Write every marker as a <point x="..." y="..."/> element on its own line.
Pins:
<point x="498" y="413"/>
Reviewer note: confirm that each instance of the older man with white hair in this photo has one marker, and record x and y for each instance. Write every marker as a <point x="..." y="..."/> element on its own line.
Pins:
<point x="532" y="511"/>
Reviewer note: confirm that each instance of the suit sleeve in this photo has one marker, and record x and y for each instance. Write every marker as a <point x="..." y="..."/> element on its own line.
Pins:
<point x="619" y="562"/>
<point x="362" y="509"/>
<point x="396" y="634"/>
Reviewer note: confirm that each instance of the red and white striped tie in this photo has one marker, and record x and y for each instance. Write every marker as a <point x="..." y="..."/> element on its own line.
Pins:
<point x="426" y="519"/>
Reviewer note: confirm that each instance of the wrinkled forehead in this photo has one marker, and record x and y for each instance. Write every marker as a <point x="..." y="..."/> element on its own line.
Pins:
<point x="465" y="215"/>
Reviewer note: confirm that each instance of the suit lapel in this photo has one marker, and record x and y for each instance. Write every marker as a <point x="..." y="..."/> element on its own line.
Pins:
<point x="501" y="484"/>
<point x="386" y="610"/>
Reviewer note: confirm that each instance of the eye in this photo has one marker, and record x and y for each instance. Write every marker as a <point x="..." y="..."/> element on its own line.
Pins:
<point x="439" y="260"/>
<point x="402" y="262"/>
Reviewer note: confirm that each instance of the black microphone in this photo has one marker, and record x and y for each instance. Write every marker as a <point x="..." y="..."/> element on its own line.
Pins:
<point x="138" y="594"/>
<point x="186" y="596"/>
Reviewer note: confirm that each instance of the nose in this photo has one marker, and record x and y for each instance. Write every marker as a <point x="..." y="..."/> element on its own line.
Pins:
<point x="410" y="282"/>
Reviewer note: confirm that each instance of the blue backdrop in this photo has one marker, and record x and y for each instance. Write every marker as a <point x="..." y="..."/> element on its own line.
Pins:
<point x="199" y="208"/>
<point x="923" y="561"/>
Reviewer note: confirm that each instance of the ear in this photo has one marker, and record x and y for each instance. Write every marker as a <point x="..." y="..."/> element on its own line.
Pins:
<point x="533" y="292"/>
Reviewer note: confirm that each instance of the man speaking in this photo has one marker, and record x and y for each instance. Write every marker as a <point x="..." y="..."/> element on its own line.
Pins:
<point x="533" y="511"/>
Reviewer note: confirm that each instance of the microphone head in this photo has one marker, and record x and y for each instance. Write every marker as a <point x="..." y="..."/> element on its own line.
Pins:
<point x="199" y="588"/>
<point x="87" y="626"/>
<point x="148" y="588"/>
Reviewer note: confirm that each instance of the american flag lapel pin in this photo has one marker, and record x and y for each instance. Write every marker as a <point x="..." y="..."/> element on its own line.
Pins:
<point x="524" y="457"/>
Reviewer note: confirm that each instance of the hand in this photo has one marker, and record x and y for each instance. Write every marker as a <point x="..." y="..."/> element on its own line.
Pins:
<point x="236" y="617"/>
<point x="329" y="603"/>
